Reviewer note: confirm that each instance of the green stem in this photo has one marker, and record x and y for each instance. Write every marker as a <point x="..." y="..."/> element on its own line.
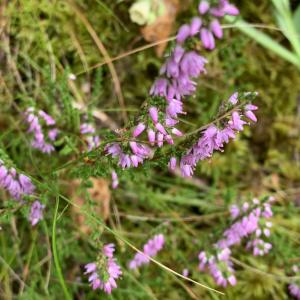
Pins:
<point x="55" y="256"/>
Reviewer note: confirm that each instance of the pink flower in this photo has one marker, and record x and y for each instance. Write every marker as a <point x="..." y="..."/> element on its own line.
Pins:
<point x="115" y="180"/>
<point x="236" y="122"/>
<point x="216" y="29"/>
<point x="154" y="114"/>
<point x="177" y="132"/>
<point x="108" y="250"/>
<point x="193" y="64"/>
<point x="249" y="112"/>
<point x="178" y="53"/>
<point x="234" y="98"/>
<point x="161" y="129"/>
<point x="52" y="134"/>
<point x="195" y="26"/>
<point x="207" y="39"/>
<point x="48" y="119"/>
<point x="86" y="128"/>
<point x="159" y="87"/>
<point x="183" y="33"/>
<point x="138" y="129"/>
<point x="232" y="280"/>
<point x="294" y="290"/>
<point x="26" y="184"/>
<point x="172" y="163"/>
<point x="230" y="10"/>
<point x="36" y="212"/>
<point x="203" y="7"/>
<point x="151" y="136"/>
<point x="160" y="139"/>
<point x="234" y="211"/>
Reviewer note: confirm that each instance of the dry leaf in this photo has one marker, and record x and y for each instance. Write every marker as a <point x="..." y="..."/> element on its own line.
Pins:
<point x="99" y="193"/>
<point x="272" y="182"/>
<point x="162" y="27"/>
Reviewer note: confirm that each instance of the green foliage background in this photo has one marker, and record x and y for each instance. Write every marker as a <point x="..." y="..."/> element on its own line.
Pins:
<point x="41" y="43"/>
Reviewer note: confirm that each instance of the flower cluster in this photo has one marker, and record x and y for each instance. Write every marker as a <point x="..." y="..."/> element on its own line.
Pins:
<point x="294" y="289"/>
<point x="210" y="16"/>
<point x="104" y="273"/>
<point x="17" y="185"/>
<point x="135" y="155"/>
<point x="88" y="131"/>
<point x="34" y="120"/>
<point x="176" y="82"/>
<point x="214" y="138"/>
<point x="254" y="220"/>
<point x="219" y="265"/>
<point x="249" y="221"/>
<point x="151" y="248"/>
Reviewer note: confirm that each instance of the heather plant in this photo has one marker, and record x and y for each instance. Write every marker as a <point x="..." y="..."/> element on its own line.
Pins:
<point x="181" y="174"/>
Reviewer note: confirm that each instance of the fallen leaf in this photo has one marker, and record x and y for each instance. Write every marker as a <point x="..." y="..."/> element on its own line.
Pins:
<point x="99" y="193"/>
<point x="162" y="27"/>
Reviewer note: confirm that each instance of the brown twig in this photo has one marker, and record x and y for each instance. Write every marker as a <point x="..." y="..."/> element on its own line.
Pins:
<point x="172" y="38"/>
<point x="128" y="53"/>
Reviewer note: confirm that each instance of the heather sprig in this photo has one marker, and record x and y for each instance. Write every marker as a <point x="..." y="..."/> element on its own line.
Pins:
<point x="41" y="126"/>
<point x="214" y="137"/>
<point x="219" y="266"/>
<point x="150" y="249"/>
<point x="105" y="271"/>
<point x="250" y="220"/>
<point x="16" y="184"/>
<point x="159" y="117"/>
<point x="250" y="223"/>
<point x="177" y="80"/>
<point x="19" y="186"/>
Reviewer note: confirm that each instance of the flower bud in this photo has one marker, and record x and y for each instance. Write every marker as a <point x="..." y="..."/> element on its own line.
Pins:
<point x="183" y="33"/>
<point x="203" y="7"/>
<point x="138" y="129"/>
<point x="172" y="163"/>
<point x="216" y="29"/>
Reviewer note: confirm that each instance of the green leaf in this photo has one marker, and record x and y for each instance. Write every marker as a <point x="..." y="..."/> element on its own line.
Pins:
<point x="55" y="254"/>
<point x="265" y="40"/>
<point x="284" y="17"/>
<point x="66" y="150"/>
<point x="297" y="19"/>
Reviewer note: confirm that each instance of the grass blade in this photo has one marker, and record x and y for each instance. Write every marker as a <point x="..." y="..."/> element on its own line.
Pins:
<point x="55" y="256"/>
<point x="266" y="41"/>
